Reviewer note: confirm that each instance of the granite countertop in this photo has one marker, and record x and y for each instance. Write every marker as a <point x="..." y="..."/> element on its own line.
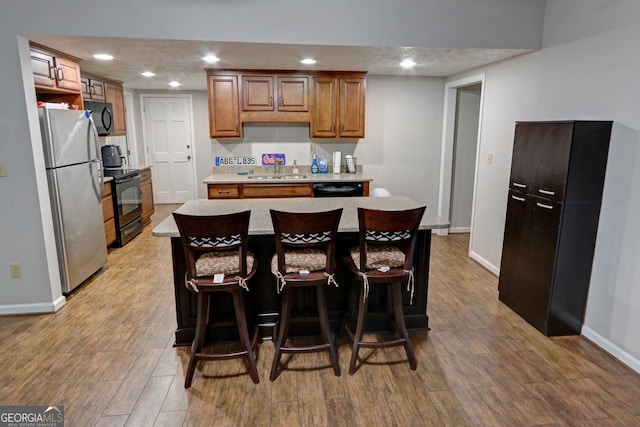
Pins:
<point x="260" y="223"/>
<point x="303" y="177"/>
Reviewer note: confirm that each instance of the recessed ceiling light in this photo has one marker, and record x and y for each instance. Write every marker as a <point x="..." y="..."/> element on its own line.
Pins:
<point x="174" y="84"/>
<point x="408" y="63"/>
<point x="211" y="59"/>
<point x="148" y="74"/>
<point x="103" y="56"/>
<point x="308" y="61"/>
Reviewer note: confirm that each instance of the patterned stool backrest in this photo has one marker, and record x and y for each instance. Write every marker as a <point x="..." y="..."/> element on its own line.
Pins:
<point x="210" y="233"/>
<point x="388" y="228"/>
<point x="303" y="230"/>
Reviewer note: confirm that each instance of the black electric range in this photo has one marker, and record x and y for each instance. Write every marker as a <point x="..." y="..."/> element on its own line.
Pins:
<point x="120" y="173"/>
<point x="127" y="203"/>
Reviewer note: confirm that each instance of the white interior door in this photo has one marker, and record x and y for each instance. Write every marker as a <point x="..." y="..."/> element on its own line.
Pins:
<point x="168" y="133"/>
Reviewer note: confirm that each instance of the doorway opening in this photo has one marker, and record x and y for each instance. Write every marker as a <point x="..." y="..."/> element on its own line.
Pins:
<point x="462" y="127"/>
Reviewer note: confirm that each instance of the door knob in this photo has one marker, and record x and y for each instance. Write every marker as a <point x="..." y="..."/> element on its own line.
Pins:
<point x="188" y="157"/>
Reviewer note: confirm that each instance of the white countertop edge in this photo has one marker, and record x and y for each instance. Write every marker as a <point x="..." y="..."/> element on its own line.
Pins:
<point x="260" y="223"/>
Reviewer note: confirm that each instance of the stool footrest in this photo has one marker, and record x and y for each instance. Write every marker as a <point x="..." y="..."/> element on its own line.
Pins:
<point x="213" y="356"/>
<point x="305" y="349"/>
<point x="381" y="344"/>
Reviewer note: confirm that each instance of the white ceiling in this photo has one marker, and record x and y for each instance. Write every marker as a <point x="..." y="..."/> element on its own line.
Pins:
<point x="181" y="60"/>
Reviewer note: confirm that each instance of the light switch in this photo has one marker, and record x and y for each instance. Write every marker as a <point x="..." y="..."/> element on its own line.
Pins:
<point x="3" y="169"/>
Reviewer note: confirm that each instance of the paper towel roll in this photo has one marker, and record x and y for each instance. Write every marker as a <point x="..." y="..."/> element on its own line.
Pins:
<point x="337" y="160"/>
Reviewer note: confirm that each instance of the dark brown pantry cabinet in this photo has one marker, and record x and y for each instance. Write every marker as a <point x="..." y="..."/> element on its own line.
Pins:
<point x="553" y="208"/>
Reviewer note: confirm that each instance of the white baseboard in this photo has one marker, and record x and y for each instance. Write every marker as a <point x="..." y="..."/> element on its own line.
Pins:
<point x="486" y="264"/>
<point x="615" y="351"/>
<point x="44" y="307"/>
<point x="459" y="229"/>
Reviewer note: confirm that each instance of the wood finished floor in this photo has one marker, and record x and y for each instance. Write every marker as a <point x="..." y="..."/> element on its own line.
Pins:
<point x="108" y="358"/>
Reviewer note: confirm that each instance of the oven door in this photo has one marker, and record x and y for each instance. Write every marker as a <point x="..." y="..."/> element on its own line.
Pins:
<point x="129" y="199"/>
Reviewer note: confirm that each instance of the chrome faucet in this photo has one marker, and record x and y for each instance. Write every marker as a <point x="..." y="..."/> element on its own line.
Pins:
<point x="277" y="165"/>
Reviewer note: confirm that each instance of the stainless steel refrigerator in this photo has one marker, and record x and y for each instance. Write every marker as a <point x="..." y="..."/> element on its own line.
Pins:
<point x="74" y="172"/>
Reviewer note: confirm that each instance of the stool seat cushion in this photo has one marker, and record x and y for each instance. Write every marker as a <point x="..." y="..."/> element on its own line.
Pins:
<point x="301" y="259"/>
<point x="226" y="262"/>
<point x="379" y="256"/>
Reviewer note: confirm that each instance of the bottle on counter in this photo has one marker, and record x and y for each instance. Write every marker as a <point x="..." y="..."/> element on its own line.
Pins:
<point x="294" y="168"/>
<point x="322" y="165"/>
<point x="314" y="164"/>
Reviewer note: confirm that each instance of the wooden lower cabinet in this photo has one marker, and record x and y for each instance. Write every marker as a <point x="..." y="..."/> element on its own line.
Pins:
<point x="146" y="189"/>
<point x="256" y="191"/>
<point x="108" y="214"/>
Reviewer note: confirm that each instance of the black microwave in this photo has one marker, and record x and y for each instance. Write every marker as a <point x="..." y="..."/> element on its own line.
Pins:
<point x="102" y="113"/>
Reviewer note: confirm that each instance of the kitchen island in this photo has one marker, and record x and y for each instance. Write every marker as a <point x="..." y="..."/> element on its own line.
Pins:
<point x="264" y="296"/>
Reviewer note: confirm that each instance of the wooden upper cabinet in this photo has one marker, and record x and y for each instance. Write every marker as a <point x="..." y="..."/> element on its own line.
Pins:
<point x="325" y="107"/>
<point x="43" y="69"/>
<point x="338" y="106"/>
<point x="54" y="70"/>
<point x="92" y="88"/>
<point x="292" y="93"/>
<point x="68" y="74"/>
<point x="224" y="107"/>
<point x="352" y="90"/>
<point x="257" y="93"/>
<point x="114" y="93"/>
<point x="332" y="102"/>
<point x="275" y="93"/>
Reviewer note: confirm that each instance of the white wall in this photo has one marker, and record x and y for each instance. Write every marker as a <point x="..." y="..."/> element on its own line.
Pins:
<point x="575" y="77"/>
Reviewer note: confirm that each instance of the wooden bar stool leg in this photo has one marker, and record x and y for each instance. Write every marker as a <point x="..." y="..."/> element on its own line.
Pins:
<point x="198" y="341"/>
<point x="238" y="303"/>
<point x="363" y="307"/>
<point x="400" y="325"/>
<point x="325" y="329"/>
<point x="283" y="330"/>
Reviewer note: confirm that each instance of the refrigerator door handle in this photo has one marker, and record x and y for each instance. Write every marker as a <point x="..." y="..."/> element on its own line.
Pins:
<point x="97" y="189"/>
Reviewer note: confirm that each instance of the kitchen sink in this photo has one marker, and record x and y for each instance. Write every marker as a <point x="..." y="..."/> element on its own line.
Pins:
<point x="277" y="176"/>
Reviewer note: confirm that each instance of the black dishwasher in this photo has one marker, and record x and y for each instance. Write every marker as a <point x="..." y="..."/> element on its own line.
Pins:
<point x="338" y="189"/>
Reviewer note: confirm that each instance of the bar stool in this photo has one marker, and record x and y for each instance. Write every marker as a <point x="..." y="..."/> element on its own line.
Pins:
<point x="217" y="260"/>
<point x="384" y="257"/>
<point x="305" y="248"/>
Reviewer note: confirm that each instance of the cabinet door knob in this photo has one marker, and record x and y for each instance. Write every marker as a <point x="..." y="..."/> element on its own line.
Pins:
<point x="550" y="193"/>
<point x="60" y="74"/>
<point x="52" y="76"/>
<point x="520" y="199"/>
<point x="188" y="157"/>
<point x="517" y="184"/>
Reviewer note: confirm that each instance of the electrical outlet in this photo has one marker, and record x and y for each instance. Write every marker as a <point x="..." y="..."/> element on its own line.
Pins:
<point x="16" y="271"/>
<point x="312" y="148"/>
<point x="490" y="158"/>
<point x="3" y="169"/>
